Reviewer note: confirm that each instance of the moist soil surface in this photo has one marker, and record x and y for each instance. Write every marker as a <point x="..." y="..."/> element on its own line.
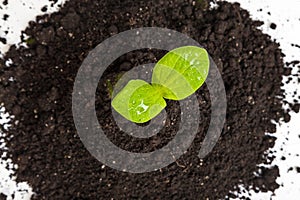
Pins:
<point x="48" y="150"/>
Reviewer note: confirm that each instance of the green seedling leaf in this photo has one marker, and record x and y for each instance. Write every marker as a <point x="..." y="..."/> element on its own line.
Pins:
<point x="176" y="76"/>
<point x="181" y="72"/>
<point x="138" y="101"/>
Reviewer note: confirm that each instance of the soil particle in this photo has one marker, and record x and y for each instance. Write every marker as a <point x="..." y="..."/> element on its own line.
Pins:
<point x="5" y="17"/>
<point x="45" y="143"/>
<point x="44" y="9"/>
<point x="113" y="30"/>
<point x="5" y="2"/>
<point x="45" y="36"/>
<point x="2" y="197"/>
<point x="296" y="107"/>
<point x="188" y="10"/>
<point x="296" y="45"/>
<point x="70" y="21"/>
<point x="273" y="26"/>
<point x="3" y="40"/>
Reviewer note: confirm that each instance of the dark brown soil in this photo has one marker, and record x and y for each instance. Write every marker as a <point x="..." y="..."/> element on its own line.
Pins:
<point x="48" y="150"/>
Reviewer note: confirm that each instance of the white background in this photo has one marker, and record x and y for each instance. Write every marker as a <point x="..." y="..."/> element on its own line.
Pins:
<point x="285" y="14"/>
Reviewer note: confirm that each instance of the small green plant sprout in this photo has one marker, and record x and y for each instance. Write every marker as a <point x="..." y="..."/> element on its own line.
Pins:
<point x="176" y="76"/>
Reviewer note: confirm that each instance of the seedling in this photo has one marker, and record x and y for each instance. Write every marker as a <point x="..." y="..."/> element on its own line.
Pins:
<point x="176" y="76"/>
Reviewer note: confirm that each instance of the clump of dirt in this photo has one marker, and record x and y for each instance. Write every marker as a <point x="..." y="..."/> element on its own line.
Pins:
<point x="45" y="143"/>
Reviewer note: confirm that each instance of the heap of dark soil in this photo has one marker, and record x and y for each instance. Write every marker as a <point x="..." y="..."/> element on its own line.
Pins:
<point x="47" y="148"/>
